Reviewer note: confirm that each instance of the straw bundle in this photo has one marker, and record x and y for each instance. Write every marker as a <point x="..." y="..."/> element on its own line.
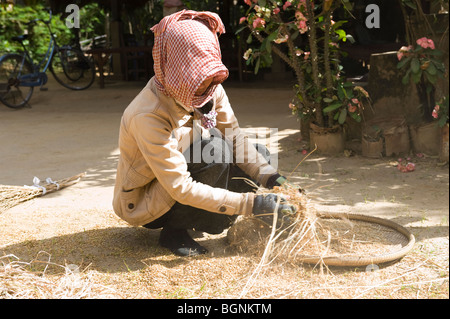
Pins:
<point x="11" y="196"/>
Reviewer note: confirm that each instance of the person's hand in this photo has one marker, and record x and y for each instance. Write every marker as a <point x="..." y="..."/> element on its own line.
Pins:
<point x="264" y="206"/>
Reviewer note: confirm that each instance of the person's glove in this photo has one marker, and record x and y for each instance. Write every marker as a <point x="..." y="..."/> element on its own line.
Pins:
<point x="279" y="180"/>
<point x="264" y="207"/>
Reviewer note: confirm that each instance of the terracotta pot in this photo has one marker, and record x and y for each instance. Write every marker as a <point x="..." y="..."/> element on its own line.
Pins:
<point x="329" y="141"/>
<point x="371" y="148"/>
<point x="391" y="135"/>
<point x="425" y="138"/>
<point x="443" y="150"/>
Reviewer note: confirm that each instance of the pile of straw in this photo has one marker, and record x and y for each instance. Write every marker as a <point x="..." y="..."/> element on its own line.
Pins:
<point x="11" y="196"/>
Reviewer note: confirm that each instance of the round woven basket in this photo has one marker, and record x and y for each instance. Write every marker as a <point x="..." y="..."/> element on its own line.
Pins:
<point x="337" y="239"/>
<point x="382" y="241"/>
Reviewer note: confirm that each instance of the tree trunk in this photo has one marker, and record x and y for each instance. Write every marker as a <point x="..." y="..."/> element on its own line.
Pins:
<point x="314" y="56"/>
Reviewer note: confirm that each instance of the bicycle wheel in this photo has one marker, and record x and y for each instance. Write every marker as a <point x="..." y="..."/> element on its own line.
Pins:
<point x="72" y="69"/>
<point x="12" y="93"/>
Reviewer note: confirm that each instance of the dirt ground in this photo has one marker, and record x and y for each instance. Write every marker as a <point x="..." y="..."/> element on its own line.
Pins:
<point x="66" y="132"/>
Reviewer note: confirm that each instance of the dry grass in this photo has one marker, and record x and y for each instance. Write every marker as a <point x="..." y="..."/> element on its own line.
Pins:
<point x="222" y="274"/>
<point x="115" y="260"/>
<point x="27" y="280"/>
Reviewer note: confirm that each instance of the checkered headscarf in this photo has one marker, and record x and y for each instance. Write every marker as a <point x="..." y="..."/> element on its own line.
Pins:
<point x="187" y="52"/>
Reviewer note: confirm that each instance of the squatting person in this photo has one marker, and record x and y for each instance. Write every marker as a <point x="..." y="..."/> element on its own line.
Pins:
<point x="158" y="183"/>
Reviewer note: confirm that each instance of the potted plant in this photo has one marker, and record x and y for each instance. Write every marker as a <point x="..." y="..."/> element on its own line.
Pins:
<point x="422" y="63"/>
<point x="303" y="34"/>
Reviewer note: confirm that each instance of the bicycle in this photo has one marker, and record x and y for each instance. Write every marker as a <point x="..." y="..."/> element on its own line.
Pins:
<point x="19" y="74"/>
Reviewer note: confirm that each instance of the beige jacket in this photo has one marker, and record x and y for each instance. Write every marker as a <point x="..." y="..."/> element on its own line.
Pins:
<point x="152" y="171"/>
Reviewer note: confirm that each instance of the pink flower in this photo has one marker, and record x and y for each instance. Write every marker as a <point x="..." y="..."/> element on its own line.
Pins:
<point x="286" y="5"/>
<point x="299" y="15"/>
<point x="410" y="167"/>
<point x="426" y="43"/>
<point x="435" y="112"/>
<point x="403" y="51"/>
<point x="307" y="55"/>
<point x="304" y="152"/>
<point x="352" y="108"/>
<point x="248" y="2"/>
<point x="355" y="101"/>
<point x="258" y="23"/>
<point x="242" y="20"/>
<point x="276" y="10"/>
<point x="282" y="39"/>
<point x="302" y="26"/>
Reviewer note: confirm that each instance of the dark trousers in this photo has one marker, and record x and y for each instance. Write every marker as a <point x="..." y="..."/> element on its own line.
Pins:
<point x="215" y="169"/>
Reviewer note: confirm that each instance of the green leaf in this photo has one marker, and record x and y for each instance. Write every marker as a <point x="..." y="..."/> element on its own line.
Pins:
<point x="430" y="77"/>
<point x="240" y="29"/>
<point x="410" y="4"/>
<point x="332" y="107"/>
<point x="342" y="94"/>
<point x="442" y="121"/>
<point x="257" y="65"/>
<point x="431" y="69"/>
<point x="295" y="35"/>
<point x="338" y="24"/>
<point x="327" y="100"/>
<point x="348" y="84"/>
<point x="342" y="116"/>
<point x="403" y="62"/>
<point x="405" y="79"/>
<point x="262" y="3"/>
<point x="342" y="34"/>
<point x="249" y="39"/>
<point x="436" y="53"/>
<point x="273" y="35"/>
<point x="336" y="116"/>
<point x="415" y="65"/>
<point x="356" y="117"/>
<point x="416" y="76"/>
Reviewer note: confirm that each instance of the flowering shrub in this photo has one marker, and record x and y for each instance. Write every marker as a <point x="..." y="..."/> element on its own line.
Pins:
<point x="423" y="66"/>
<point x="322" y="94"/>
<point x="421" y="63"/>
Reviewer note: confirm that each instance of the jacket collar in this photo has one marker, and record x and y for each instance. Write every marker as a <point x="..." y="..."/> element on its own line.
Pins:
<point x="176" y="110"/>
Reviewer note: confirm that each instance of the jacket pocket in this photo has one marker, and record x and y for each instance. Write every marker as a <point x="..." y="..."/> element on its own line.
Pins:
<point x="133" y="205"/>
